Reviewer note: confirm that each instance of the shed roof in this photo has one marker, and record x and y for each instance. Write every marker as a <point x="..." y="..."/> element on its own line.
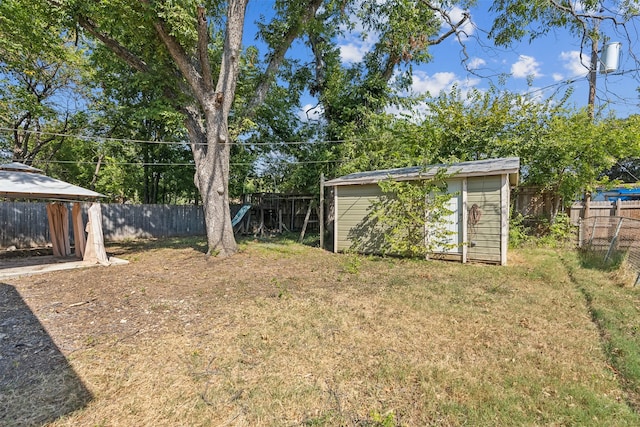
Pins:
<point x="507" y="165"/>
<point x="19" y="181"/>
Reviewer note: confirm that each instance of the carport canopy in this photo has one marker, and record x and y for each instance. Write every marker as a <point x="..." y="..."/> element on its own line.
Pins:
<point x="20" y="181"/>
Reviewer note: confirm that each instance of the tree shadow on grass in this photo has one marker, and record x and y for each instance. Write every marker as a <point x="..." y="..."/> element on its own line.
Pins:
<point x="127" y="247"/>
<point x="37" y="383"/>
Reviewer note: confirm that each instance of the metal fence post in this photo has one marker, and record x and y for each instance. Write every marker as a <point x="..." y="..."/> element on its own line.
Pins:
<point x="614" y="240"/>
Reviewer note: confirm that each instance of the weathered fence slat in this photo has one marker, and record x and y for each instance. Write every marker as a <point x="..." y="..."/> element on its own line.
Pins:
<point x="25" y="224"/>
<point x="593" y="230"/>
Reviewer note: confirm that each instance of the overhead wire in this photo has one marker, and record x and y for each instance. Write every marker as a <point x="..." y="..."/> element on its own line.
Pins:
<point x="117" y="163"/>
<point x="143" y="141"/>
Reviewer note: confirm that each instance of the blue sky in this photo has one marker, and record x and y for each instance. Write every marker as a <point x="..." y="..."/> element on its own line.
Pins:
<point x="548" y="65"/>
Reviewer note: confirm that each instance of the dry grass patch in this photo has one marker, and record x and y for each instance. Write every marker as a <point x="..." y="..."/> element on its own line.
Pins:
<point x="283" y="334"/>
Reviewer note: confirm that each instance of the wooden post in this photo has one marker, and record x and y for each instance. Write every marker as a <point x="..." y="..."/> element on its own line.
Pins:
<point x="293" y="214"/>
<point x="261" y="221"/>
<point x="580" y="232"/>
<point x="587" y="205"/>
<point x="618" y="207"/>
<point x="306" y="221"/>
<point x="321" y="211"/>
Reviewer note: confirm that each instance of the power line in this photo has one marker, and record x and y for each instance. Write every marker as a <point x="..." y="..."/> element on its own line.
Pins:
<point x="142" y="141"/>
<point x="570" y="81"/>
<point x="303" y="162"/>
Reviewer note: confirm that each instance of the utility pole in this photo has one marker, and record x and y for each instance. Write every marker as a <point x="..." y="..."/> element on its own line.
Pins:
<point x="593" y="70"/>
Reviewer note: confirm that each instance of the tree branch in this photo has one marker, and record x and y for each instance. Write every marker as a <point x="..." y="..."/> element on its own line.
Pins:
<point x="445" y="15"/>
<point x="177" y="52"/>
<point x="225" y="89"/>
<point x="123" y="53"/>
<point x="203" y="49"/>
<point x="392" y="60"/>
<point x="277" y="57"/>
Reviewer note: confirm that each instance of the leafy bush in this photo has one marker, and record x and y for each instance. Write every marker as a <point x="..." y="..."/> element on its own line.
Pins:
<point x="560" y="232"/>
<point x="539" y="231"/>
<point x="409" y="219"/>
<point x="519" y="233"/>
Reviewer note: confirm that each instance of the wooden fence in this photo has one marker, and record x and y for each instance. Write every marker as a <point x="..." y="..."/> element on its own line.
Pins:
<point x="25" y="224"/>
<point x="617" y="208"/>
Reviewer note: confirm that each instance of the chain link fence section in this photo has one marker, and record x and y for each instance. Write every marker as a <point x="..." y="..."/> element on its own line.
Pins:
<point x="611" y="236"/>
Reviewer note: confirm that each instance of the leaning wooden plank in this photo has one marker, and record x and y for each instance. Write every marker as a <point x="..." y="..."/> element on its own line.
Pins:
<point x="306" y="221"/>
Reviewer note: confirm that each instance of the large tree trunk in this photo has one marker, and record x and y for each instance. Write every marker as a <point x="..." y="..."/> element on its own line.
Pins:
<point x="207" y="119"/>
<point x="206" y="115"/>
<point x="212" y="179"/>
<point x="213" y="185"/>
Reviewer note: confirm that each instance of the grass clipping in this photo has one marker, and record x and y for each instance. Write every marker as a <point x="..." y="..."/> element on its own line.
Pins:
<point x="283" y="334"/>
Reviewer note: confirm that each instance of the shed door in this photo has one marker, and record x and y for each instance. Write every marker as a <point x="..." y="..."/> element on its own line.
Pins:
<point x="454" y="220"/>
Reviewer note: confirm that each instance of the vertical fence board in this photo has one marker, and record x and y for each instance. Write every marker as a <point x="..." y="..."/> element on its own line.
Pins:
<point x="25" y="224"/>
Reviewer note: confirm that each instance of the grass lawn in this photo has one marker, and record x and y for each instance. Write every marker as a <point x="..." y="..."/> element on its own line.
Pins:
<point x="283" y="334"/>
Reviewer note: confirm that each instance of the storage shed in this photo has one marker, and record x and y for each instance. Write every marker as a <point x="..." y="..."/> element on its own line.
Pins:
<point x="480" y="205"/>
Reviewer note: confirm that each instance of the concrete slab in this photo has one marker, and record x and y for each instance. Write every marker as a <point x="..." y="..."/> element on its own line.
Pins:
<point x="16" y="267"/>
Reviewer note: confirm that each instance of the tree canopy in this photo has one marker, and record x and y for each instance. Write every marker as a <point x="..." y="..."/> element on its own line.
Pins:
<point x="166" y="101"/>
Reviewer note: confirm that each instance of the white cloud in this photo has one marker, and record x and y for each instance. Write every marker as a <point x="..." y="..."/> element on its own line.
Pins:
<point x="573" y="64"/>
<point x="353" y="52"/>
<point x="356" y="40"/>
<point x="310" y="113"/>
<point x="557" y="77"/>
<point x="434" y="84"/>
<point x="475" y="63"/>
<point x="456" y="15"/>
<point x="526" y="66"/>
<point x="438" y="82"/>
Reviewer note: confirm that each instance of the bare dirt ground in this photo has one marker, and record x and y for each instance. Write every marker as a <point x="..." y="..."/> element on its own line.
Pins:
<point x="285" y="334"/>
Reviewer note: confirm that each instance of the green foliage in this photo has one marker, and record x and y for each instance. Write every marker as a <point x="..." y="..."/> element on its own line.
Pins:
<point x="351" y="263"/>
<point x="39" y="67"/>
<point x="519" y="233"/>
<point x="409" y="219"/>
<point x="387" y="142"/>
<point x="615" y="311"/>
<point x="562" y="151"/>
<point x="560" y="233"/>
<point x="516" y="20"/>
<point x="353" y="96"/>
<point x="571" y="155"/>
<point x="388" y="419"/>
<point x="486" y="124"/>
<point x="540" y="231"/>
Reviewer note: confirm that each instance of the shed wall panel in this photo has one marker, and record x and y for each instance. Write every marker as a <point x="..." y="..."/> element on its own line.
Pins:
<point x="354" y="204"/>
<point x="485" y="236"/>
<point x="484" y="239"/>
